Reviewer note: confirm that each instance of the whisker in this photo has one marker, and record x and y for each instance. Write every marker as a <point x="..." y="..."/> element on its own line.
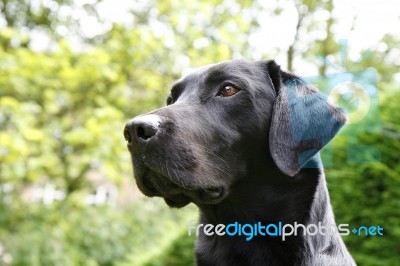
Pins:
<point x="216" y="156"/>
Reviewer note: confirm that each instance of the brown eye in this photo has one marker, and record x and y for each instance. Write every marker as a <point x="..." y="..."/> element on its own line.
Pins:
<point x="228" y="90"/>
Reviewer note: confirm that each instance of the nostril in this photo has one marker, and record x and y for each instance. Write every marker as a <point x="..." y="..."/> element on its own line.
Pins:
<point x="140" y="132"/>
<point x="127" y="135"/>
<point x="145" y="131"/>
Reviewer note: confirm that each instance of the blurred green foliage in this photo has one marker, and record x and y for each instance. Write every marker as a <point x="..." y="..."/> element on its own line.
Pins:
<point x="63" y="108"/>
<point x="70" y="233"/>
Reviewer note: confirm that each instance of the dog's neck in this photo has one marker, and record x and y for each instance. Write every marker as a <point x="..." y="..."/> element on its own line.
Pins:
<point x="283" y="199"/>
<point x="303" y="199"/>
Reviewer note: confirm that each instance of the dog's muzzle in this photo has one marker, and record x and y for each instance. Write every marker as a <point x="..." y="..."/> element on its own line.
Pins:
<point x="153" y="169"/>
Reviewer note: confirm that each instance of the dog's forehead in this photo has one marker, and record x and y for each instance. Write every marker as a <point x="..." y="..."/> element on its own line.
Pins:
<point x="228" y="68"/>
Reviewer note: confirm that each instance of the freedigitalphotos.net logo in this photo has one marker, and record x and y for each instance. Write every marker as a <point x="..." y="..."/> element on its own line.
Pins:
<point x="249" y="231"/>
<point x="354" y="91"/>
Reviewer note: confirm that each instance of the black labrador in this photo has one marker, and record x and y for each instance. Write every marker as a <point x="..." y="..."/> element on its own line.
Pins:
<point x="240" y="139"/>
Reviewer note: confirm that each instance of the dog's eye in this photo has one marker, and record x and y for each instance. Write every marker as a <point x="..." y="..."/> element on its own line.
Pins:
<point x="170" y="100"/>
<point x="228" y="90"/>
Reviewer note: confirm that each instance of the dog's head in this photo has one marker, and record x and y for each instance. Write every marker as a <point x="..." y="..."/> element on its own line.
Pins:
<point x="218" y="121"/>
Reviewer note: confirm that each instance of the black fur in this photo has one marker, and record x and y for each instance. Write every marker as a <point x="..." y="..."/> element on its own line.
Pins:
<point x="236" y="158"/>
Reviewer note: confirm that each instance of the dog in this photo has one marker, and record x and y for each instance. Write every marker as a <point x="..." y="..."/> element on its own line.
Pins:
<point x="241" y="140"/>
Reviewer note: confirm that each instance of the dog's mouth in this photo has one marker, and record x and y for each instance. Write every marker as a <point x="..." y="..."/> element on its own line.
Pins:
<point x="152" y="183"/>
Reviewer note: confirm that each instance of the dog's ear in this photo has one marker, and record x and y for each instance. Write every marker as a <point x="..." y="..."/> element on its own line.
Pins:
<point x="302" y="122"/>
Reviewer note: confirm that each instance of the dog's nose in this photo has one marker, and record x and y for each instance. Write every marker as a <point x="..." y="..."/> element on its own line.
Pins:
<point x="142" y="128"/>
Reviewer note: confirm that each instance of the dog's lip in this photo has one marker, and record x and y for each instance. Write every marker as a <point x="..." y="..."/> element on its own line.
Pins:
<point x="177" y="201"/>
<point x="145" y="186"/>
<point x="149" y="167"/>
<point x="151" y="190"/>
<point x="210" y="195"/>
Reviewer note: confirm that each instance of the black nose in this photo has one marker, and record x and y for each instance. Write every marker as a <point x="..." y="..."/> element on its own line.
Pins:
<point x="141" y="128"/>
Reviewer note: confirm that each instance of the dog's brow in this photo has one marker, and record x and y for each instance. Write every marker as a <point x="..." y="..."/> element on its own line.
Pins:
<point x="216" y="76"/>
<point x="177" y="88"/>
